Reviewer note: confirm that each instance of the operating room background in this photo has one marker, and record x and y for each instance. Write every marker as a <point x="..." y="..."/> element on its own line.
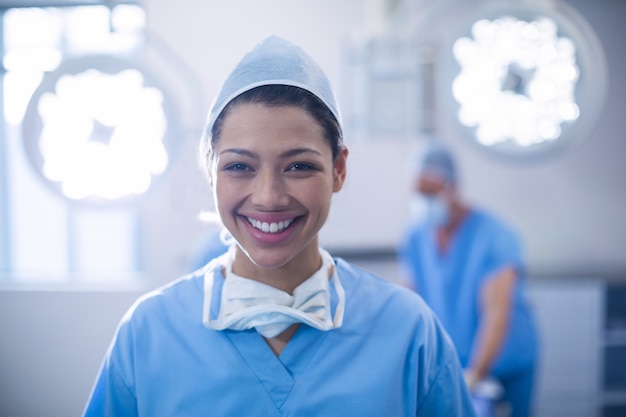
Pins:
<point x="568" y="208"/>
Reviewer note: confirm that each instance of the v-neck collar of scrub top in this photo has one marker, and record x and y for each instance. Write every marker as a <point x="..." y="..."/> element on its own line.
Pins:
<point x="278" y="374"/>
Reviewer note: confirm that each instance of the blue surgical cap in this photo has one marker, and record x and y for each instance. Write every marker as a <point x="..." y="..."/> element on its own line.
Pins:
<point x="274" y="61"/>
<point x="438" y="160"/>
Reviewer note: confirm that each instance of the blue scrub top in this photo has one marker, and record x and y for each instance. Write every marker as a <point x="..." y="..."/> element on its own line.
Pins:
<point x="390" y="358"/>
<point x="451" y="284"/>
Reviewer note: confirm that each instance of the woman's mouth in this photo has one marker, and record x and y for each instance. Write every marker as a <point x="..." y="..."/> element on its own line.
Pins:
<point x="270" y="227"/>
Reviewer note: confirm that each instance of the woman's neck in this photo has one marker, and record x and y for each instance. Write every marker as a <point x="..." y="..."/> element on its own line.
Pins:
<point x="286" y="277"/>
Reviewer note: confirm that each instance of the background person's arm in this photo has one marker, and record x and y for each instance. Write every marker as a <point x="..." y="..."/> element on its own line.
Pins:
<point x="495" y="303"/>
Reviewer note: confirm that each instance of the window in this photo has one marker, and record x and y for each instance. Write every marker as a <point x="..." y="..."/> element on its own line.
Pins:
<point x="74" y="151"/>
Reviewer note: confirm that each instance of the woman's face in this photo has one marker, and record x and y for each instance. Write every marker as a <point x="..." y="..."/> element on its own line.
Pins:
<point x="273" y="177"/>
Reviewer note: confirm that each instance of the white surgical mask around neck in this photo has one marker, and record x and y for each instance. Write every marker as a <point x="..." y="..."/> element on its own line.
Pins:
<point x="246" y="303"/>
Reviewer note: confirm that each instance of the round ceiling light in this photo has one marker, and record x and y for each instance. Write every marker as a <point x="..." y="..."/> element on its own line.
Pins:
<point x="529" y="77"/>
<point x="97" y="130"/>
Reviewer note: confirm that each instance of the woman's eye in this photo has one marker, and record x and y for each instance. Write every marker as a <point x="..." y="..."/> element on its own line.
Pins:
<point x="236" y="167"/>
<point x="301" y="166"/>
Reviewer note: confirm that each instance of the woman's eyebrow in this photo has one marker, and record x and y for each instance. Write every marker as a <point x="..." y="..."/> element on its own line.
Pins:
<point x="286" y="154"/>
<point x="299" y="151"/>
<point x="240" y="152"/>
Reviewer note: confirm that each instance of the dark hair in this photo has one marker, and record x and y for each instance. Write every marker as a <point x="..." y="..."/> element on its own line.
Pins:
<point x="283" y="95"/>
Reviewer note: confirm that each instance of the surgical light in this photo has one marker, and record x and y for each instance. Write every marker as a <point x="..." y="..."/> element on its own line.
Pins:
<point x="522" y="68"/>
<point x="529" y="76"/>
<point x="97" y="130"/>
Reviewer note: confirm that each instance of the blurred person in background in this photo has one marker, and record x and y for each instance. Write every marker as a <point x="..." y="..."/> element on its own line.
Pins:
<point x="468" y="266"/>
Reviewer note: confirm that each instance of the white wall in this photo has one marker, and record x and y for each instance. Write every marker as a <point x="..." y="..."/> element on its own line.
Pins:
<point x="51" y="345"/>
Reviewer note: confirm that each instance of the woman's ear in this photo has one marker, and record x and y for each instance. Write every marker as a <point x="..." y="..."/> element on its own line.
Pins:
<point x="340" y="169"/>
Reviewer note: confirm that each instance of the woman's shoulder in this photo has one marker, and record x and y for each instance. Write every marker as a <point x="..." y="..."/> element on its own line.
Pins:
<point x="379" y="305"/>
<point x="374" y="291"/>
<point x="180" y="295"/>
<point x="356" y="274"/>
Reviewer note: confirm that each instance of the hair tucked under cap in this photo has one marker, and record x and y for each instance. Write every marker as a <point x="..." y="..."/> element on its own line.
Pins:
<point x="274" y="61"/>
<point x="439" y="161"/>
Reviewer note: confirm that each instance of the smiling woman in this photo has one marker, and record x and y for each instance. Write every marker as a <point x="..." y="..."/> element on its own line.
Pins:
<point x="263" y="329"/>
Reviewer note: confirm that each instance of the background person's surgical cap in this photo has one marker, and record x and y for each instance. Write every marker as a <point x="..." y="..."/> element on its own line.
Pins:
<point x="437" y="160"/>
<point x="274" y="61"/>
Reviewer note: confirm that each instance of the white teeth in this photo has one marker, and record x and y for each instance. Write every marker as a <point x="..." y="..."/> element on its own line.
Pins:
<point x="269" y="227"/>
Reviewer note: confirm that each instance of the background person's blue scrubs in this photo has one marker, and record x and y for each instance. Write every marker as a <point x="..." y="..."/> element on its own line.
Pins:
<point x="451" y="284"/>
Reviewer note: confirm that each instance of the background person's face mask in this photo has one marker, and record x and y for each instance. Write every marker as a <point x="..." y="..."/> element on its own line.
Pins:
<point x="432" y="209"/>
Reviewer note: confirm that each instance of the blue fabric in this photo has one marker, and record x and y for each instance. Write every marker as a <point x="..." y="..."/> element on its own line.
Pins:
<point x="391" y="358"/>
<point x="519" y="392"/>
<point x="451" y="284"/>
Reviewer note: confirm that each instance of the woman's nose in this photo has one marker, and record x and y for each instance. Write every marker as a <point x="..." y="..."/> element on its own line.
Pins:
<point x="269" y="191"/>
